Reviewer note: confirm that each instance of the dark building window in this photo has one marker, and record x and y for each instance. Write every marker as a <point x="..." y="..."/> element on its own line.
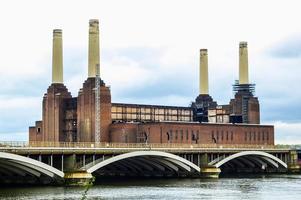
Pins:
<point x="231" y="135"/>
<point x="250" y="136"/>
<point x="213" y="137"/>
<point x="176" y="135"/>
<point x="181" y="131"/>
<point x="38" y="130"/>
<point x="227" y="136"/>
<point x="186" y="134"/>
<point x="222" y="133"/>
<point x="263" y="136"/>
<point x="268" y="134"/>
<point x="170" y="134"/>
<point x="246" y="136"/>
<point x="192" y="135"/>
<point x="217" y="135"/>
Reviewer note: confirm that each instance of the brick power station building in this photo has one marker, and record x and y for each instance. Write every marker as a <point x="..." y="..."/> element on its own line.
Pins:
<point x="92" y="117"/>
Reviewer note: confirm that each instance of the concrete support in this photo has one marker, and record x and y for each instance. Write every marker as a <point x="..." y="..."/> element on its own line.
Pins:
<point x="204" y="88"/>
<point x="94" y="60"/>
<point x="243" y="63"/>
<point x="51" y="160"/>
<point x="203" y="160"/>
<point x="78" y="178"/>
<point x="57" y="57"/>
<point x="293" y="166"/>
<point x="210" y="172"/>
<point x="69" y="163"/>
<point x="62" y="163"/>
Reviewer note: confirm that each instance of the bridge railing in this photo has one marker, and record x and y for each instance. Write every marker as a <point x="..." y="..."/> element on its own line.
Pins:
<point x="129" y="145"/>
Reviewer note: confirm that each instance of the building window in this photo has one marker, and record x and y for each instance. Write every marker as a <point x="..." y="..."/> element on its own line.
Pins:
<point x="170" y="133"/>
<point x="176" y="135"/>
<point x="222" y="133"/>
<point x="181" y="135"/>
<point x="217" y="135"/>
<point x="246" y="136"/>
<point x="168" y="136"/>
<point x="268" y="134"/>
<point x="213" y="137"/>
<point x="227" y="136"/>
<point x="192" y="135"/>
<point x="250" y="136"/>
<point x="263" y="136"/>
<point x="38" y="130"/>
<point x="231" y="135"/>
<point x="187" y="135"/>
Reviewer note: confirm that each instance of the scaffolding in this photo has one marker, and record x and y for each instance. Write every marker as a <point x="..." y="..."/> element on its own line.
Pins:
<point x="97" y="106"/>
<point x="246" y="91"/>
<point x="243" y="88"/>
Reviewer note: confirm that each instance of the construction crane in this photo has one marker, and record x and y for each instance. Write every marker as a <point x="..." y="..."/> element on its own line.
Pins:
<point x="97" y="105"/>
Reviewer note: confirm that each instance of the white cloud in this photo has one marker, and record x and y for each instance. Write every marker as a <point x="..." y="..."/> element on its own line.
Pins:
<point x="7" y="103"/>
<point x="287" y="133"/>
<point x="9" y="137"/>
<point x="173" y="100"/>
<point x="123" y="73"/>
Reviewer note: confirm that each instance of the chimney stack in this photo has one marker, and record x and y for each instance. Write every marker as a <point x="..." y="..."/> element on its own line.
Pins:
<point x="57" y="57"/>
<point x="203" y="72"/>
<point x="93" y="63"/>
<point x="243" y="63"/>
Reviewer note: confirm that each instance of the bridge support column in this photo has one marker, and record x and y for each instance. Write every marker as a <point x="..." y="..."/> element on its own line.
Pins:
<point x="78" y="178"/>
<point x="293" y="166"/>
<point x="203" y="160"/>
<point x="206" y="170"/>
<point x="210" y="172"/>
<point x="69" y="163"/>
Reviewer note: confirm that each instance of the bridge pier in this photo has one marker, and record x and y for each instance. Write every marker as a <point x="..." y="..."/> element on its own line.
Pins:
<point x="78" y="178"/>
<point x="293" y="165"/>
<point x="207" y="171"/>
<point x="210" y="172"/>
<point x="73" y="175"/>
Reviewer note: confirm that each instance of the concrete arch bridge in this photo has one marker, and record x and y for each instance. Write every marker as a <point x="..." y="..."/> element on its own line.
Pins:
<point x="58" y="165"/>
<point x="156" y="163"/>
<point x="16" y="169"/>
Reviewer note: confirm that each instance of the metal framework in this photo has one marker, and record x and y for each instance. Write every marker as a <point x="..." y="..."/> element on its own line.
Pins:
<point x="249" y="88"/>
<point x="97" y="105"/>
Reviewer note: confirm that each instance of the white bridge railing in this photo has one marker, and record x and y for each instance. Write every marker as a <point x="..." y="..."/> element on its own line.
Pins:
<point x="130" y="145"/>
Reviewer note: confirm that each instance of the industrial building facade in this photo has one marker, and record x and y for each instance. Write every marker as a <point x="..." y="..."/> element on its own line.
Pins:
<point x="92" y="117"/>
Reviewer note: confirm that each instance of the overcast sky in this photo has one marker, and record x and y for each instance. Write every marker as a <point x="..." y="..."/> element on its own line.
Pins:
<point x="150" y="54"/>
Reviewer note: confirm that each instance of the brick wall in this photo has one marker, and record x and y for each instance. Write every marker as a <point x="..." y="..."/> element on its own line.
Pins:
<point x="193" y="133"/>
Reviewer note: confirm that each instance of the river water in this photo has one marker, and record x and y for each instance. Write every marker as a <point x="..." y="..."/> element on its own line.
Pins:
<point x="274" y="187"/>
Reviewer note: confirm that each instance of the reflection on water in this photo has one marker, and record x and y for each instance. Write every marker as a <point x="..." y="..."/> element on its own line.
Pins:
<point x="263" y="187"/>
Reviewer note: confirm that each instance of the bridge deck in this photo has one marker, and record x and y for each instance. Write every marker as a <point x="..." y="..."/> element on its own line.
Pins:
<point x="65" y="150"/>
<point x="103" y="148"/>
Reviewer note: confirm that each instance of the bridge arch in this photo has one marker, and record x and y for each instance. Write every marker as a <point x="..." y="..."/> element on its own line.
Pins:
<point x="147" y="163"/>
<point x="19" y="169"/>
<point x="250" y="158"/>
